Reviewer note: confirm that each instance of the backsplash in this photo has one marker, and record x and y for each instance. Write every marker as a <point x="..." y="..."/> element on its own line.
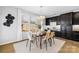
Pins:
<point x="75" y="27"/>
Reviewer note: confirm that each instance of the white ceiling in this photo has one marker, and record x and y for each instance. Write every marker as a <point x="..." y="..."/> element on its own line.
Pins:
<point x="49" y="11"/>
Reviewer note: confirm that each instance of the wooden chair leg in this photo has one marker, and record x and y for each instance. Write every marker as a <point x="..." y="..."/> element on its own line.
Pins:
<point x="50" y="42"/>
<point x="38" y="39"/>
<point x="53" y="40"/>
<point x="40" y="43"/>
<point x="30" y="46"/>
<point x="36" y="43"/>
<point x="46" y="44"/>
<point x="27" y="43"/>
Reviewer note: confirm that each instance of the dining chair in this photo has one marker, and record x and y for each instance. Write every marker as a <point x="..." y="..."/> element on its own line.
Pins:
<point x="25" y="37"/>
<point x="48" y="38"/>
<point x="35" y="38"/>
<point x="31" y="39"/>
<point x="51" y="38"/>
<point x="45" y="38"/>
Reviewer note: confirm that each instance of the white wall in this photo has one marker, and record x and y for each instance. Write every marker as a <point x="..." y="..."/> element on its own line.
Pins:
<point x="13" y="33"/>
<point x="26" y="16"/>
<point x="0" y="24"/>
<point x="8" y="34"/>
<point x="19" y="34"/>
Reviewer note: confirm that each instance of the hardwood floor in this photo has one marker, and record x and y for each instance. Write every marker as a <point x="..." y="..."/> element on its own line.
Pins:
<point x="70" y="47"/>
<point x="8" y="48"/>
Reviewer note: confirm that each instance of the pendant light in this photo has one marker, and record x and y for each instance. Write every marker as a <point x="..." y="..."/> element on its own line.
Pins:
<point x="41" y="17"/>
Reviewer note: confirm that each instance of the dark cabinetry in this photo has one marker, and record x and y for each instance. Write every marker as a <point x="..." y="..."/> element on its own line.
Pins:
<point x="76" y="18"/>
<point x="66" y="25"/>
<point x="57" y="33"/>
<point x="47" y="21"/>
<point x="75" y="35"/>
<point x="66" y="21"/>
<point x="58" y="20"/>
<point x="53" y="19"/>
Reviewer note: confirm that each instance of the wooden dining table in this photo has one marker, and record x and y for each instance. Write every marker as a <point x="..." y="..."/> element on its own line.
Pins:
<point x="40" y="37"/>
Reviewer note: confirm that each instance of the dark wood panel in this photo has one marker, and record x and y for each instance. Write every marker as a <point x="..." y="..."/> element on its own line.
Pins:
<point x="57" y="33"/>
<point x="47" y="21"/>
<point x="66" y="25"/>
<point x="75" y="35"/>
<point x="66" y="21"/>
<point x="58" y="20"/>
<point x="76" y="18"/>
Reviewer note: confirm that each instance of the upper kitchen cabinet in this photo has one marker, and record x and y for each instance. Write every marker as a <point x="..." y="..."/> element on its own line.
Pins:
<point x="53" y="19"/>
<point x="66" y="19"/>
<point x="47" y="21"/>
<point x="76" y="18"/>
<point x="66" y="25"/>
<point x="58" y="20"/>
